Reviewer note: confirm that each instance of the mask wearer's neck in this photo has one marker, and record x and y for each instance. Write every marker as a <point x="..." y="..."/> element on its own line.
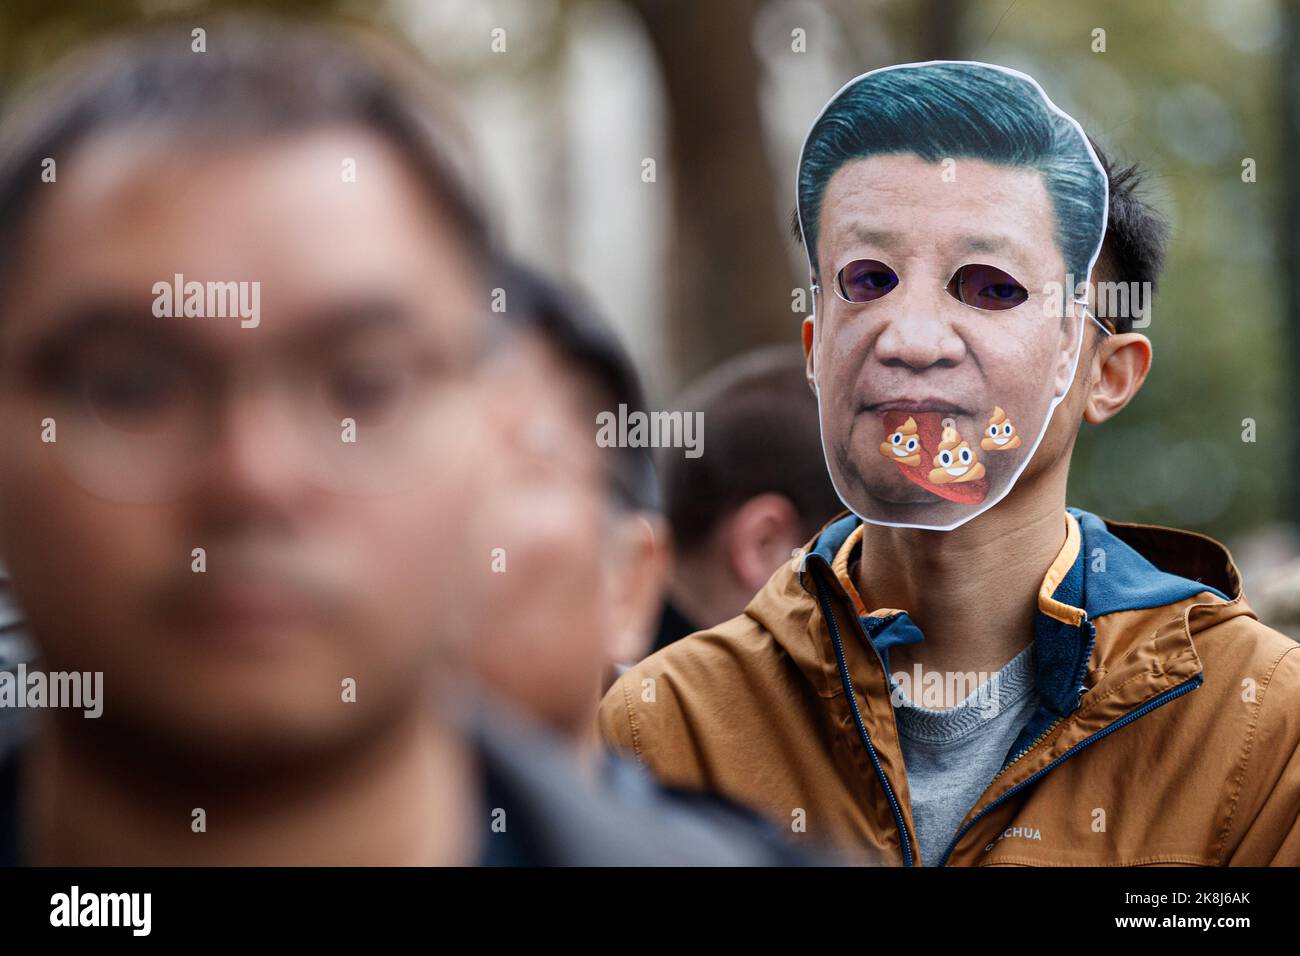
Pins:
<point x="972" y="591"/>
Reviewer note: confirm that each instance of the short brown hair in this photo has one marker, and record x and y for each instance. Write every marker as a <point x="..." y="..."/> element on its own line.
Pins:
<point x="764" y="437"/>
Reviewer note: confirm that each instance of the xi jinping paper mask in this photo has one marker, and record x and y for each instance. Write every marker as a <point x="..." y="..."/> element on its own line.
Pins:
<point x="952" y="217"/>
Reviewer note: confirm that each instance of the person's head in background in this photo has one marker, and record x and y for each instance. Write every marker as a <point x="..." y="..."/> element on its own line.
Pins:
<point x="321" y="446"/>
<point x="578" y="548"/>
<point x="759" y="492"/>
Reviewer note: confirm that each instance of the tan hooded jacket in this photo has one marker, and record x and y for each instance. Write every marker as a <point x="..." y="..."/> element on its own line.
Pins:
<point x="1167" y="733"/>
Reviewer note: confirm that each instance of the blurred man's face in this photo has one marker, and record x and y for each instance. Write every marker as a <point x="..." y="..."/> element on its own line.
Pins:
<point x="892" y="369"/>
<point x="553" y="612"/>
<point x="329" y="556"/>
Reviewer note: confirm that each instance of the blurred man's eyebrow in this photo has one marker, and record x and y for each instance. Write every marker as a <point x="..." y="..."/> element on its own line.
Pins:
<point x="85" y="321"/>
<point x="347" y="323"/>
<point x="330" y="324"/>
<point x="332" y="320"/>
<point x="340" y="319"/>
<point x="58" y="341"/>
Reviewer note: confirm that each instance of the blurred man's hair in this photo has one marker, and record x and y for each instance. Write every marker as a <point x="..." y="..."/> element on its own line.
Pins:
<point x="589" y="347"/>
<point x="1134" y="246"/>
<point x="764" y="437"/>
<point x="259" y="78"/>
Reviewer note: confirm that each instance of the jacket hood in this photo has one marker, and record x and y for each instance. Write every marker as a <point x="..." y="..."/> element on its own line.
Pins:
<point x="1109" y="567"/>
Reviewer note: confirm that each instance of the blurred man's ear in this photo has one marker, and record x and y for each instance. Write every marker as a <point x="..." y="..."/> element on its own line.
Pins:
<point x="758" y="537"/>
<point x="1120" y="366"/>
<point x="639" y="567"/>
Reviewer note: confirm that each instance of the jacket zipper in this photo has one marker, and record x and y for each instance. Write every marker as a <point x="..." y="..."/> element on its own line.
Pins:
<point x="1183" y="688"/>
<point x="1036" y="742"/>
<point x="1087" y="654"/>
<point x="827" y="612"/>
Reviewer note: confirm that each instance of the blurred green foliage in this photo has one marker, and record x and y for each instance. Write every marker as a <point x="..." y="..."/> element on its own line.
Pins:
<point x="1188" y="90"/>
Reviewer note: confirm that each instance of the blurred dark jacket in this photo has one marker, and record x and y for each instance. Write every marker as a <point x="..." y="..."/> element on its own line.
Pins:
<point x="538" y="810"/>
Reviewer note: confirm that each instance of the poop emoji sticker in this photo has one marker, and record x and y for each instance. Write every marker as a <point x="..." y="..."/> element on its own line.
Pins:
<point x="901" y="447"/>
<point x="952" y="216"/>
<point x="954" y="477"/>
<point x="955" y="461"/>
<point x="1001" y="434"/>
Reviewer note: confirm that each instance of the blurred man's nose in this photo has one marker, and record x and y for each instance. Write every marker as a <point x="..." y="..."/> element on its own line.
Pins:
<point x="918" y="331"/>
<point x="254" y="453"/>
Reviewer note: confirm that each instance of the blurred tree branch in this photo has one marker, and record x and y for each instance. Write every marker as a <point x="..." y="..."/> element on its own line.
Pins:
<point x="730" y="278"/>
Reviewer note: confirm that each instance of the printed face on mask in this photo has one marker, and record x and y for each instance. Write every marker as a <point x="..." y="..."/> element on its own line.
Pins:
<point x="946" y="247"/>
<point x="922" y="377"/>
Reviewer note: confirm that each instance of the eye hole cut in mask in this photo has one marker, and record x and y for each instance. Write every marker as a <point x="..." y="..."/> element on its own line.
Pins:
<point x="952" y="216"/>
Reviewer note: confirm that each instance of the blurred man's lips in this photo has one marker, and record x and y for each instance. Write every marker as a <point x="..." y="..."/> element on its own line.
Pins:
<point x="239" y="607"/>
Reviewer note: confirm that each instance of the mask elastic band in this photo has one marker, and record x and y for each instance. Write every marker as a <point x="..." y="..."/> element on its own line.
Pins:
<point x="1088" y="311"/>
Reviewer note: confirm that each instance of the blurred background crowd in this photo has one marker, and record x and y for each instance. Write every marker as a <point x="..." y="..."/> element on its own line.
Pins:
<point x="644" y="150"/>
